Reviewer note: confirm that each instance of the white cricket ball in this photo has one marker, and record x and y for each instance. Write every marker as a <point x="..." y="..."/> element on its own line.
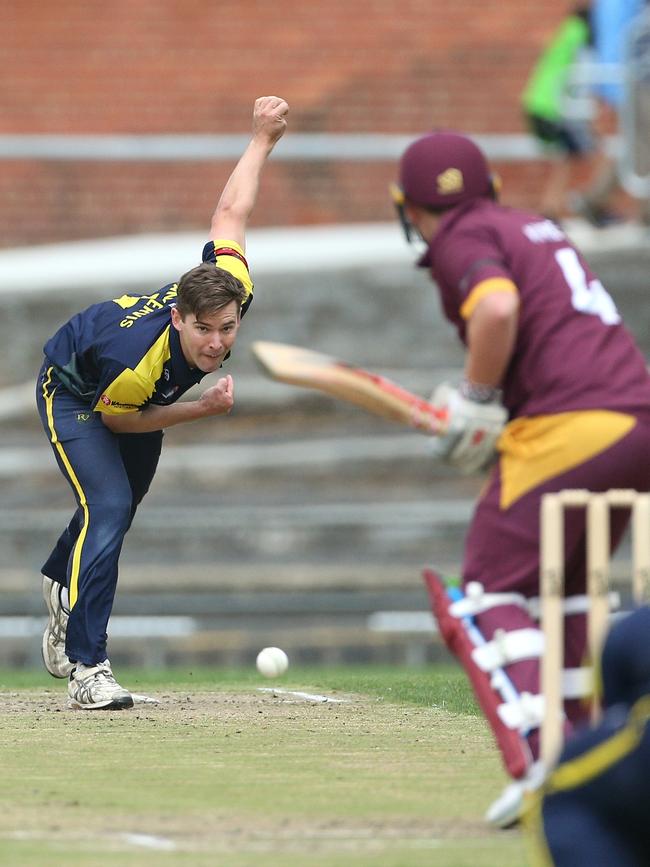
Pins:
<point x="272" y="662"/>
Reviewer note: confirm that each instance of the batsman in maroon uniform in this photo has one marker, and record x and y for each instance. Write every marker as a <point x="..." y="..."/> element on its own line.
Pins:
<point x="555" y="395"/>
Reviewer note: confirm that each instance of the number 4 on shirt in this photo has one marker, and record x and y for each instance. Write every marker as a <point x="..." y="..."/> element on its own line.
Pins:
<point x="586" y="296"/>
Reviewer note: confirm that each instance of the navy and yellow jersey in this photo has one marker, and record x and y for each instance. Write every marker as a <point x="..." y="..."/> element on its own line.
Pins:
<point x="121" y="355"/>
<point x="594" y="806"/>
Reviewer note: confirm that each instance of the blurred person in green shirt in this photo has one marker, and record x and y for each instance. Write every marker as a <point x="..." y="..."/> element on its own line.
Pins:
<point x="571" y="141"/>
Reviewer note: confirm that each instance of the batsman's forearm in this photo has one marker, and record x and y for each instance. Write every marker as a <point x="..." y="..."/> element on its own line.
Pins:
<point x="487" y="360"/>
<point x="491" y="337"/>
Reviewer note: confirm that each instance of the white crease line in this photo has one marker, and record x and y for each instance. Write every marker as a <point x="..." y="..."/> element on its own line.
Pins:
<point x="148" y="841"/>
<point x="144" y="699"/>
<point x="307" y="696"/>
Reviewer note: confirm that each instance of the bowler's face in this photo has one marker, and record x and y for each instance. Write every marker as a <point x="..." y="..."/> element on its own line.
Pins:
<point x="206" y="341"/>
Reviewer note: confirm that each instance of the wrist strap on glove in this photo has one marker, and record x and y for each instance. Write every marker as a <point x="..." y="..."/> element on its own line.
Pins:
<point x="479" y="393"/>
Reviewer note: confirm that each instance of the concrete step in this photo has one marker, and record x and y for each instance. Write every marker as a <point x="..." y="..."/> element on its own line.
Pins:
<point x="320" y="533"/>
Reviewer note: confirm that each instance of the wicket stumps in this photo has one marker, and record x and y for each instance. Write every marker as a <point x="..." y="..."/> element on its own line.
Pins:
<point x="597" y="508"/>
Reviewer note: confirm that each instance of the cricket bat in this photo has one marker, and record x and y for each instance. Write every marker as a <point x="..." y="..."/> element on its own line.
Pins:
<point x="376" y="394"/>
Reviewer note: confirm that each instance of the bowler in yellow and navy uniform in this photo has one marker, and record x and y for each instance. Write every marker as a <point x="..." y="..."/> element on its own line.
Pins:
<point x="117" y="356"/>
<point x="110" y="384"/>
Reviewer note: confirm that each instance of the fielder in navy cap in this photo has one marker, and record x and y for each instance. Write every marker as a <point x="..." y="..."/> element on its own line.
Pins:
<point x="625" y="666"/>
<point x="595" y="806"/>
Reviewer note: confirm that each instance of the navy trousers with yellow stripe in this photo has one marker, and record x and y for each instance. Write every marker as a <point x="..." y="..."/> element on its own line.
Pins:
<point x="109" y="475"/>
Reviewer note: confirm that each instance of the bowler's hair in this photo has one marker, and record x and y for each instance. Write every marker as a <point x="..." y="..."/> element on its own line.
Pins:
<point x="206" y="289"/>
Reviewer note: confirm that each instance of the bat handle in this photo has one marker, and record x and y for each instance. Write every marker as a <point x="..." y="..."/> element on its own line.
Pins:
<point x="429" y="420"/>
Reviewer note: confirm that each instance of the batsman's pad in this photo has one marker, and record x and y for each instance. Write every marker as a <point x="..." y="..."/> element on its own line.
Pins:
<point x="513" y="747"/>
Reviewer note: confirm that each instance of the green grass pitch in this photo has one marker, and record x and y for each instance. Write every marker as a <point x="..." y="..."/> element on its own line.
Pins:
<point x="396" y="773"/>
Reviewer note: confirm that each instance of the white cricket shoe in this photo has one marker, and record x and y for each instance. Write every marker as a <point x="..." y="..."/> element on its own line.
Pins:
<point x="508" y="808"/>
<point x="93" y="687"/>
<point x="53" y="646"/>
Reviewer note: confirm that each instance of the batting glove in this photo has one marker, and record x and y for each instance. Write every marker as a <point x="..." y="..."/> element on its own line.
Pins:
<point x="469" y="442"/>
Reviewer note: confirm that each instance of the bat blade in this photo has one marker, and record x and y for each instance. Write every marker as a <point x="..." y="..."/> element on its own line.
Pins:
<point x="296" y="365"/>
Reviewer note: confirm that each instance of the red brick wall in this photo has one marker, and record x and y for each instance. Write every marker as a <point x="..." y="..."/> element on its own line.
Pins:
<point x="174" y="66"/>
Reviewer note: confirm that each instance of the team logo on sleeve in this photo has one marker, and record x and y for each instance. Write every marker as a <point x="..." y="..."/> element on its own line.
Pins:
<point x="107" y="401"/>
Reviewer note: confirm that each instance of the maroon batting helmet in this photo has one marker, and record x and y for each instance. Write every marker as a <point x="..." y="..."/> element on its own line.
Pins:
<point x="442" y="169"/>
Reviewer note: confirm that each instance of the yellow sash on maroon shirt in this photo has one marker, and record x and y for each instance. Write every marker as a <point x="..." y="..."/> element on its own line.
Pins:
<point x="535" y="449"/>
